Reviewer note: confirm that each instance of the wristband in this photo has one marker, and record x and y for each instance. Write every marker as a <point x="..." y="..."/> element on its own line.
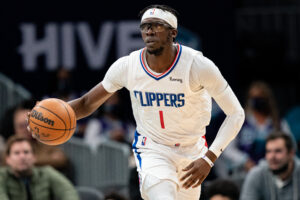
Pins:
<point x="208" y="161"/>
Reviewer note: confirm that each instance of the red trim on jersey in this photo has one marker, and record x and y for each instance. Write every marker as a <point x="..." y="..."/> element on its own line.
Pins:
<point x="157" y="76"/>
<point x="205" y="140"/>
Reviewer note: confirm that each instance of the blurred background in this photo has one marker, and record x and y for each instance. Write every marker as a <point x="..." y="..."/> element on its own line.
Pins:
<point x="63" y="48"/>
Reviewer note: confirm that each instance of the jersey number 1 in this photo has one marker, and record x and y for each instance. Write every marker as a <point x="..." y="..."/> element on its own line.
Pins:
<point x="161" y="117"/>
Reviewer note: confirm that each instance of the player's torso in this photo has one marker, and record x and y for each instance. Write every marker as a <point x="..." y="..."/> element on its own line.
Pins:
<point x="164" y="107"/>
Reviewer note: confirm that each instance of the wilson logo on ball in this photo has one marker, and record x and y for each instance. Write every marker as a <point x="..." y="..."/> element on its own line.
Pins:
<point x="39" y="116"/>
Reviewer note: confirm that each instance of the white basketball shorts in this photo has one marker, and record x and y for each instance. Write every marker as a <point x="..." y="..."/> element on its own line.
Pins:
<point x="156" y="162"/>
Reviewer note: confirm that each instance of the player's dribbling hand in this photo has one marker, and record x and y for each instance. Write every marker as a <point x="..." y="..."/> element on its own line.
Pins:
<point x="28" y="127"/>
<point x="195" y="174"/>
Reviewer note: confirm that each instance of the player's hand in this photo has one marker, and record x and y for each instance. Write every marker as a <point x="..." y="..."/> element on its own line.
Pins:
<point x="195" y="174"/>
<point x="28" y="127"/>
<point x="28" y="121"/>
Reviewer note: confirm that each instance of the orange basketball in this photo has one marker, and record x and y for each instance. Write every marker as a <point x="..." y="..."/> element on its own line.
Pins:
<point x="53" y="121"/>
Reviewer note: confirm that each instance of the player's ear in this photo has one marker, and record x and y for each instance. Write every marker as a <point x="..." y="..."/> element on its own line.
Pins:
<point x="174" y="33"/>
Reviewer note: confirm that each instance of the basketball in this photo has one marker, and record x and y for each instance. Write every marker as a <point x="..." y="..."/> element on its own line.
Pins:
<point x="52" y="121"/>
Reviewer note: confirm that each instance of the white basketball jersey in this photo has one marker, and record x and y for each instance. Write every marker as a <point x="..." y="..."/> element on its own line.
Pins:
<point x="164" y="107"/>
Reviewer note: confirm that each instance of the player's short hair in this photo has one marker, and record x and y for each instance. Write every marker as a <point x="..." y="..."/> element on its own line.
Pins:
<point x="15" y="139"/>
<point x="289" y="144"/>
<point x="162" y="7"/>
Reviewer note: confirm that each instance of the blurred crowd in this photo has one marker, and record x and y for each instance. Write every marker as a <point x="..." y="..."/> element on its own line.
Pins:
<point x="265" y="149"/>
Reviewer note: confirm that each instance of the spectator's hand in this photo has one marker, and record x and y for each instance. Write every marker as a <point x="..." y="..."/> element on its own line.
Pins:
<point x="195" y="174"/>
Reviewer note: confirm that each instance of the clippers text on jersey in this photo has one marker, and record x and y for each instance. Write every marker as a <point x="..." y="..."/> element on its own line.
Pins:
<point x="159" y="99"/>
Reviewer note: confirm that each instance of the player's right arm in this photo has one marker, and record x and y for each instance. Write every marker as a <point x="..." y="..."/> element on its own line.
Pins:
<point x="115" y="79"/>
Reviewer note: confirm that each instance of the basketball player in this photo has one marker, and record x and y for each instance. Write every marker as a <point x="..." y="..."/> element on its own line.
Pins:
<point x="171" y="86"/>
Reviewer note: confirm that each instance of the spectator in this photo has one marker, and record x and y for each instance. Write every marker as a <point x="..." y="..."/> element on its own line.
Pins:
<point x="222" y="189"/>
<point x="114" y="196"/>
<point x="45" y="155"/>
<point x="22" y="180"/>
<point x="279" y="176"/>
<point x="133" y="186"/>
<point x="293" y="118"/>
<point x="109" y="126"/>
<point x="2" y="145"/>
<point x="261" y="118"/>
<point x="11" y="123"/>
<point x="61" y="85"/>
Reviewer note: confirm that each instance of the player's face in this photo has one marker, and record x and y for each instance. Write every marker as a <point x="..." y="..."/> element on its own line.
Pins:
<point x="156" y="34"/>
<point x="277" y="154"/>
<point x="21" y="158"/>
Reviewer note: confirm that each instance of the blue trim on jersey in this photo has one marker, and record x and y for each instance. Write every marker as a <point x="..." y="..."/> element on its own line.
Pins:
<point x="171" y="69"/>
<point x="136" y="135"/>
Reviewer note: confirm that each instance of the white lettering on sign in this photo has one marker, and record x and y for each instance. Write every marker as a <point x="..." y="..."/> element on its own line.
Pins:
<point x="31" y="48"/>
<point x="128" y="37"/>
<point x="61" y="42"/>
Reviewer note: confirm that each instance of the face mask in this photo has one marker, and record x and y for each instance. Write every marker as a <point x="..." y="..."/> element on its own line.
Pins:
<point x="260" y="104"/>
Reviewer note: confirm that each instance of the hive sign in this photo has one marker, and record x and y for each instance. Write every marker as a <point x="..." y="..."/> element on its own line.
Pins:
<point x="60" y="42"/>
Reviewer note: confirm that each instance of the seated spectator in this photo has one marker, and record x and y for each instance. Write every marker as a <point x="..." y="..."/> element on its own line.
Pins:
<point x="109" y="126"/>
<point x="61" y="85"/>
<point x="45" y="155"/>
<point x="21" y="180"/>
<point x="114" y="196"/>
<point x="134" y="184"/>
<point x="261" y="118"/>
<point x="293" y="118"/>
<point x="222" y="189"/>
<point x="2" y="145"/>
<point x="279" y="176"/>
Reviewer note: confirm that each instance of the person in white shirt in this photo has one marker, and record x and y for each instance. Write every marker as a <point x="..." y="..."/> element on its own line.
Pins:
<point x="170" y="87"/>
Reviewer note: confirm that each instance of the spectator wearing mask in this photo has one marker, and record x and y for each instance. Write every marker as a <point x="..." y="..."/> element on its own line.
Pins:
<point x="262" y="117"/>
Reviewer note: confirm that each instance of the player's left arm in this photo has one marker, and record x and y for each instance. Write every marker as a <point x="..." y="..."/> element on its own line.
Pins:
<point x="213" y="81"/>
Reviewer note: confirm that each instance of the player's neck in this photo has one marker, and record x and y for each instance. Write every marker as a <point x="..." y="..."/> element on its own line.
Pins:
<point x="160" y="63"/>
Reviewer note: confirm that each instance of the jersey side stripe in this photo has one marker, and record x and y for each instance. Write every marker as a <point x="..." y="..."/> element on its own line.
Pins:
<point x="136" y="138"/>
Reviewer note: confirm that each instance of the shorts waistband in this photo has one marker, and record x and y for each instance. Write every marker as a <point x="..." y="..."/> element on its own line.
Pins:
<point x="172" y="144"/>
